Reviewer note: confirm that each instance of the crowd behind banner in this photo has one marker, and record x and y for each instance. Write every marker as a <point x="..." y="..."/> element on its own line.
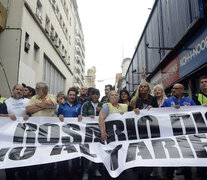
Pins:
<point x="27" y="102"/>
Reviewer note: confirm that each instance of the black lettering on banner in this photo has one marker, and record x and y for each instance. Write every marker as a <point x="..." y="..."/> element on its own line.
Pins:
<point x="159" y="146"/>
<point x="198" y="145"/>
<point x="15" y="153"/>
<point x="200" y="122"/>
<point x="22" y="128"/>
<point x="59" y="148"/>
<point x="72" y="130"/>
<point x="114" y="157"/>
<point x="142" y="127"/>
<point x="131" y="130"/>
<point x="92" y="129"/>
<point x="3" y="152"/>
<point x="176" y="124"/>
<point x="45" y="138"/>
<point x="132" y="151"/>
<point x="111" y="132"/>
<point x="84" y="148"/>
<point x="185" y="147"/>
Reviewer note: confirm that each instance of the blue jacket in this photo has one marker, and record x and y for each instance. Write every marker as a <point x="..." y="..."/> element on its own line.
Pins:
<point x="69" y="111"/>
<point x="172" y="101"/>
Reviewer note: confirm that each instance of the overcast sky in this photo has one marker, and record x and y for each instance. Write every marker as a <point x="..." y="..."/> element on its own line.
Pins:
<point x="111" y="29"/>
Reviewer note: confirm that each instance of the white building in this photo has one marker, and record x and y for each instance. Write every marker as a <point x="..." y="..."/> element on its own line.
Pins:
<point x="42" y="41"/>
<point x="122" y="81"/>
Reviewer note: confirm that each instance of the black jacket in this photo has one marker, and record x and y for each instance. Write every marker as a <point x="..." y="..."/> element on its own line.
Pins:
<point x="141" y="103"/>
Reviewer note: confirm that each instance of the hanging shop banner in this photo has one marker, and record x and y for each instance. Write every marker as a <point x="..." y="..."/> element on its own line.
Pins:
<point x="194" y="53"/>
<point x="170" y="72"/>
<point x="158" y="137"/>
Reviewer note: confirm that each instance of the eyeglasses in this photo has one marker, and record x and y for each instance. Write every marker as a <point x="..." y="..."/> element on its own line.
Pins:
<point x="177" y="88"/>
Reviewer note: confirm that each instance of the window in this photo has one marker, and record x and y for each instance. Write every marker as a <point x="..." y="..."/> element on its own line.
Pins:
<point x="53" y="77"/>
<point x="26" y="44"/>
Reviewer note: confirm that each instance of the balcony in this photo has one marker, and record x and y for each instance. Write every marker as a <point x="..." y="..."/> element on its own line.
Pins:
<point x="78" y="58"/>
<point x="78" y="85"/>
<point x="78" y="50"/>
<point x="78" y="68"/>
<point x="77" y="76"/>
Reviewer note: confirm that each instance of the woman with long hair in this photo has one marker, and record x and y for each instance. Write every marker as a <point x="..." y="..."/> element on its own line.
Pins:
<point x="143" y="99"/>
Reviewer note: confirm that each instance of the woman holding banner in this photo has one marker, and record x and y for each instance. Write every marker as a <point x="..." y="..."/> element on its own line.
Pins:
<point x="143" y="100"/>
<point x="159" y="94"/>
<point x="109" y="108"/>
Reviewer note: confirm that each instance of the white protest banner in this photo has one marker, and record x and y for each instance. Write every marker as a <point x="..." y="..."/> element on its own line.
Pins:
<point x="158" y="137"/>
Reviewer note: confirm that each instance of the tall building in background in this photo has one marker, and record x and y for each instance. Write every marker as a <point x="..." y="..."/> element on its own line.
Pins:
<point x="122" y="80"/>
<point x="42" y="40"/>
<point x="90" y="77"/>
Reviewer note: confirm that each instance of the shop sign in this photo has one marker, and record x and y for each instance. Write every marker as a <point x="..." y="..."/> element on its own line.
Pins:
<point x="170" y="72"/>
<point x="194" y="53"/>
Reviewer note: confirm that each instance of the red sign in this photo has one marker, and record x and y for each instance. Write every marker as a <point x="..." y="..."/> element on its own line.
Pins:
<point x="170" y="73"/>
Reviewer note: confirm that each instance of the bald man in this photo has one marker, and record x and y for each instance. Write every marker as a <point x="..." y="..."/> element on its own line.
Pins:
<point x="178" y="99"/>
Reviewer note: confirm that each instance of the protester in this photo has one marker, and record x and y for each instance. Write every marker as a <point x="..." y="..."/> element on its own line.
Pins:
<point x="176" y="101"/>
<point x="29" y="92"/>
<point x="125" y="99"/>
<point x="60" y="99"/>
<point x="71" y="108"/>
<point x="105" y="99"/>
<point x="159" y="94"/>
<point x="91" y="109"/>
<point x="83" y="95"/>
<point x="42" y="104"/>
<point x="143" y="99"/>
<point x="201" y="97"/>
<point x="13" y="108"/>
<point x="109" y="108"/>
<point x="107" y="89"/>
<point x="2" y="99"/>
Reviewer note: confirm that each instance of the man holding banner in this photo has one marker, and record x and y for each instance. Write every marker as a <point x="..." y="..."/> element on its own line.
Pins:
<point x="42" y="104"/>
<point x="14" y="107"/>
<point x="176" y="101"/>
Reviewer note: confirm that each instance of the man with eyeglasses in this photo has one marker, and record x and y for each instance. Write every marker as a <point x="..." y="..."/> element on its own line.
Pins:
<point x="178" y="99"/>
<point x="201" y="97"/>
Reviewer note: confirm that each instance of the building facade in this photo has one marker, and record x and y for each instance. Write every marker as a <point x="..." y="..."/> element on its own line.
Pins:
<point x="39" y="44"/>
<point x="172" y="47"/>
<point x="90" y="77"/>
<point x="122" y="80"/>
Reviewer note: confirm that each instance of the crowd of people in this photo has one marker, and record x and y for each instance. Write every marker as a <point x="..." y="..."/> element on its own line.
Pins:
<point x="27" y="102"/>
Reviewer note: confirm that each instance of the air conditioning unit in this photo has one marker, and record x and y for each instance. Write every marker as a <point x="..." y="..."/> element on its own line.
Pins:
<point x="26" y="46"/>
<point x="56" y="44"/>
<point x="52" y="38"/>
<point x="39" y="14"/>
<point x="47" y="29"/>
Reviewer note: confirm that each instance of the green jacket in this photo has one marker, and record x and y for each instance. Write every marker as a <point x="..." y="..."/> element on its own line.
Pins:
<point x="88" y="109"/>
